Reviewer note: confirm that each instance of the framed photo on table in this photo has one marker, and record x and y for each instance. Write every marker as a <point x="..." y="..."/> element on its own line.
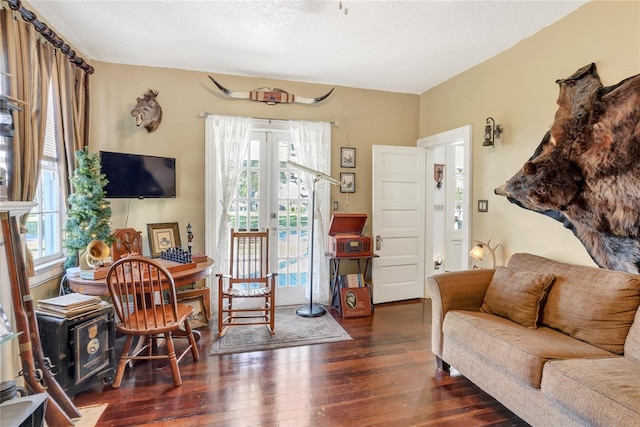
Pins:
<point x="163" y="236"/>
<point x="347" y="157"/>
<point x="348" y="180"/>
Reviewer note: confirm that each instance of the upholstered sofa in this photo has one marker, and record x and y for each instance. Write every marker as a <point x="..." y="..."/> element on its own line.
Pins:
<point x="557" y="344"/>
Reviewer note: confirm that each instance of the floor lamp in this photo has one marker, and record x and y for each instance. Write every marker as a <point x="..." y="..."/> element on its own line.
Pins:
<point x="312" y="310"/>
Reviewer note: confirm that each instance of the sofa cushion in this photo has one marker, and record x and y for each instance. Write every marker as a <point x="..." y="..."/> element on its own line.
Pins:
<point x="520" y="351"/>
<point x="591" y="304"/>
<point x="517" y="295"/>
<point x="603" y="392"/>
<point x="632" y="343"/>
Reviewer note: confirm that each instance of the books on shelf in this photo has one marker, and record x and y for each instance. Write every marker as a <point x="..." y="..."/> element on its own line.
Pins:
<point x="70" y="306"/>
<point x="355" y="280"/>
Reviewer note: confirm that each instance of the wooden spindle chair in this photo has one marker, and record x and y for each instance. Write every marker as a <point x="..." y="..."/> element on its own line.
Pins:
<point x="143" y="294"/>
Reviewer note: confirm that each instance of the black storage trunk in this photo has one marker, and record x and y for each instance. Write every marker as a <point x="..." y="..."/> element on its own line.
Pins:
<point x="81" y="350"/>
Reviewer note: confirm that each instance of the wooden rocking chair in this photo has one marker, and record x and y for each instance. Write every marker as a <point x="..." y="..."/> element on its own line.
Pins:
<point x="249" y="279"/>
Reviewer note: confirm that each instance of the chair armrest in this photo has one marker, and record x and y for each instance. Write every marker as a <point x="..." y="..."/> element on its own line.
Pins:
<point x="223" y="276"/>
<point x="460" y="290"/>
<point x="272" y="275"/>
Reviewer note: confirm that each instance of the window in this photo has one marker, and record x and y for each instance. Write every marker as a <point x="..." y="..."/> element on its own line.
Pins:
<point x="45" y="223"/>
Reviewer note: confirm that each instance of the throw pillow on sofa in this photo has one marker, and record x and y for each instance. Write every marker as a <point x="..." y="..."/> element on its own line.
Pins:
<point x="591" y="304"/>
<point x="517" y="295"/>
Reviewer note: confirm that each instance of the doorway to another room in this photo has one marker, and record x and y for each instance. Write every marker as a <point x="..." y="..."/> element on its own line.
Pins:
<point x="448" y="200"/>
<point x="421" y="212"/>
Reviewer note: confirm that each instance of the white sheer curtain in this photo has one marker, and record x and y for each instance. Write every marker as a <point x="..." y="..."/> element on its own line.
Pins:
<point x="226" y="145"/>
<point x="312" y="146"/>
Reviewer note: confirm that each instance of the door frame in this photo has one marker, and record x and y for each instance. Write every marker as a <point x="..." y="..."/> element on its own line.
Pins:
<point x="462" y="134"/>
<point x="213" y="211"/>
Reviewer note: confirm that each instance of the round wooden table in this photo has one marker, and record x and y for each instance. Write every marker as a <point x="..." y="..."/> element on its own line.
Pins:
<point x="98" y="287"/>
<point x="181" y="278"/>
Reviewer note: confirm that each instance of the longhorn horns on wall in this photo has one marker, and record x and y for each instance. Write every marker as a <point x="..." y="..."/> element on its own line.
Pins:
<point x="270" y="96"/>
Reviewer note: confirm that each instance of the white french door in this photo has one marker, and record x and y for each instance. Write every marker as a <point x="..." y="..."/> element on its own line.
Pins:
<point x="270" y="196"/>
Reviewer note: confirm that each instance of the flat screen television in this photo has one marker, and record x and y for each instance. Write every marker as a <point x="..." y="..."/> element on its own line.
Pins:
<point x="138" y="176"/>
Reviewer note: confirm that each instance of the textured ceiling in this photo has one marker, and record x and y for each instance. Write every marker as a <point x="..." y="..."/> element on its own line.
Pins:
<point x="397" y="46"/>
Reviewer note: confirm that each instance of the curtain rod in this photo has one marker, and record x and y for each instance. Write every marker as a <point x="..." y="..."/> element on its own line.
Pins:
<point x="205" y="114"/>
<point x="49" y="35"/>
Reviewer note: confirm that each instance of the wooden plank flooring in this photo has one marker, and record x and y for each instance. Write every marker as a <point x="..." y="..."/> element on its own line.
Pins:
<point x="385" y="376"/>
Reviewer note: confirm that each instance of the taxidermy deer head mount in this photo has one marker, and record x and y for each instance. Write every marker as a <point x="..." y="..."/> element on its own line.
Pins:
<point x="270" y="96"/>
<point x="147" y="111"/>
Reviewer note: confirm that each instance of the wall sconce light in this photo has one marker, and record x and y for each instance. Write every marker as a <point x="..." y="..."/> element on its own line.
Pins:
<point x="438" y="175"/>
<point x="492" y="131"/>
<point x="437" y="263"/>
<point x="479" y="249"/>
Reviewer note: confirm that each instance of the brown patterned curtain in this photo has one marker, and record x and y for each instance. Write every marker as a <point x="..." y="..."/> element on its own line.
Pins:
<point x="32" y="64"/>
<point x="71" y="85"/>
<point x="29" y="61"/>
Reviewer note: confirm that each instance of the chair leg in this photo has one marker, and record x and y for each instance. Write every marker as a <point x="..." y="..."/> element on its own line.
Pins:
<point x="272" y="320"/>
<point x="203" y="309"/>
<point x="220" y="312"/>
<point x="173" y="361"/>
<point x="192" y="340"/>
<point x="123" y="362"/>
<point x="224" y="313"/>
<point x="272" y="317"/>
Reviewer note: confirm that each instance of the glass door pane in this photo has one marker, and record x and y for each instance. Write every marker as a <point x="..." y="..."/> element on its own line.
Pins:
<point x="293" y="209"/>
<point x="244" y="210"/>
<point x="271" y="196"/>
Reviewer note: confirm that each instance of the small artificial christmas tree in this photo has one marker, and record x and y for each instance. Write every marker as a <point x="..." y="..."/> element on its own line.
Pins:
<point x="89" y="214"/>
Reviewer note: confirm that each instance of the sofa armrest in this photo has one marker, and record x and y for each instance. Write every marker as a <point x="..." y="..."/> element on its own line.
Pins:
<point x="460" y="290"/>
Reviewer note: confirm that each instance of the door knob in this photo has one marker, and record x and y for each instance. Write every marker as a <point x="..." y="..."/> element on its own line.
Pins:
<point x="378" y="242"/>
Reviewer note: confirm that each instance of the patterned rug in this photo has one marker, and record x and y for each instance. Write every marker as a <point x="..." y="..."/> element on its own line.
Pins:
<point x="90" y="415"/>
<point x="291" y="330"/>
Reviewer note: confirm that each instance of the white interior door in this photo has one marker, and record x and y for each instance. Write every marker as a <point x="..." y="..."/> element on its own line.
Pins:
<point x="398" y="207"/>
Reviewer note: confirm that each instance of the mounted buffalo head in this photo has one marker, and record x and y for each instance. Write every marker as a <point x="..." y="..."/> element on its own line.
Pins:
<point x="586" y="171"/>
<point x="147" y="111"/>
<point x="270" y="96"/>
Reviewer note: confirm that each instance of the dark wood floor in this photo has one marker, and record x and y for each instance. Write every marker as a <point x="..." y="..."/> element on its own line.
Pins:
<point x="386" y="376"/>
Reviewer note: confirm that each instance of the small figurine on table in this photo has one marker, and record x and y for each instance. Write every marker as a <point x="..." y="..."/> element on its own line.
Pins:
<point x="189" y="236"/>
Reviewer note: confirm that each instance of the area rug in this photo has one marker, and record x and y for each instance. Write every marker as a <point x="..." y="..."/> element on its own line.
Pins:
<point x="89" y="415"/>
<point x="291" y="331"/>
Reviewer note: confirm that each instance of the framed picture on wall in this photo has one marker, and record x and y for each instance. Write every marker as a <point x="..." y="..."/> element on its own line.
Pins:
<point x="348" y="180"/>
<point x="163" y="236"/>
<point x="347" y="157"/>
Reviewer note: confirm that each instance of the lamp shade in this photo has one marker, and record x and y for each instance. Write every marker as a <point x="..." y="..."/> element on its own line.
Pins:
<point x="479" y="249"/>
<point x="477" y="252"/>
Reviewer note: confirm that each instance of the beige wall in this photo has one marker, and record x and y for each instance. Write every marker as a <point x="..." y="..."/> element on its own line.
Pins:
<point x="518" y="89"/>
<point x="364" y="118"/>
